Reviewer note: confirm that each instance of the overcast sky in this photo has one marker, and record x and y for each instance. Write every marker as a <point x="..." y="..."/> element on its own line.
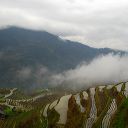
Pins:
<point x="98" y="23"/>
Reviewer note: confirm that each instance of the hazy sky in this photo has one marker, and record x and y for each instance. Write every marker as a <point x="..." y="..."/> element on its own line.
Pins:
<point x="98" y="23"/>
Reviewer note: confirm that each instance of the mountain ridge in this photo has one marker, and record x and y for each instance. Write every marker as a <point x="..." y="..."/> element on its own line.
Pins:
<point x="21" y="48"/>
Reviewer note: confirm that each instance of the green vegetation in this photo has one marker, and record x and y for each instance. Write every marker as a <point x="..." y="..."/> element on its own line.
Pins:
<point x="8" y="111"/>
<point x="53" y="118"/>
<point x="102" y="114"/>
<point x="29" y="119"/>
<point x="121" y="118"/>
<point x="44" y="122"/>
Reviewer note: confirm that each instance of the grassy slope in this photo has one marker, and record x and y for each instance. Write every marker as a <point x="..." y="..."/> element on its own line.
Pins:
<point x="29" y="119"/>
<point x="121" y="117"/>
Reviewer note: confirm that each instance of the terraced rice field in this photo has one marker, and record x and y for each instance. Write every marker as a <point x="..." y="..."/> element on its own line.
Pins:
<point x="99" y="107"/>
<point x="27" y="112"/>
<point x="93" y="111"/>
<point x="95" y="108"/>
<point x="112" y="109"/>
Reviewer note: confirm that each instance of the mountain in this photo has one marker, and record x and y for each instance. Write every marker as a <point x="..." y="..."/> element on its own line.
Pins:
<point x="98" y="107"/>
<point x="28" y="49"/>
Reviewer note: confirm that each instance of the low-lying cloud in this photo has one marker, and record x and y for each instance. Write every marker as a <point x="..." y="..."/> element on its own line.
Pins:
<point x="109" y="69"/>
<point x="24" y="73"/>
<point x="33" y="77"/>
<point x="102" y="70"/>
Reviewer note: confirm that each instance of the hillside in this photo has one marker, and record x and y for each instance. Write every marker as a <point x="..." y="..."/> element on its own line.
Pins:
<point x="100" y="107"/>
<point x="97" y="107"/>
<point x="28" y="49"/>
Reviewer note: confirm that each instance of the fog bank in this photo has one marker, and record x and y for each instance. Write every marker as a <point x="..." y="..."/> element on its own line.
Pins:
<point x="102" y="70"/>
